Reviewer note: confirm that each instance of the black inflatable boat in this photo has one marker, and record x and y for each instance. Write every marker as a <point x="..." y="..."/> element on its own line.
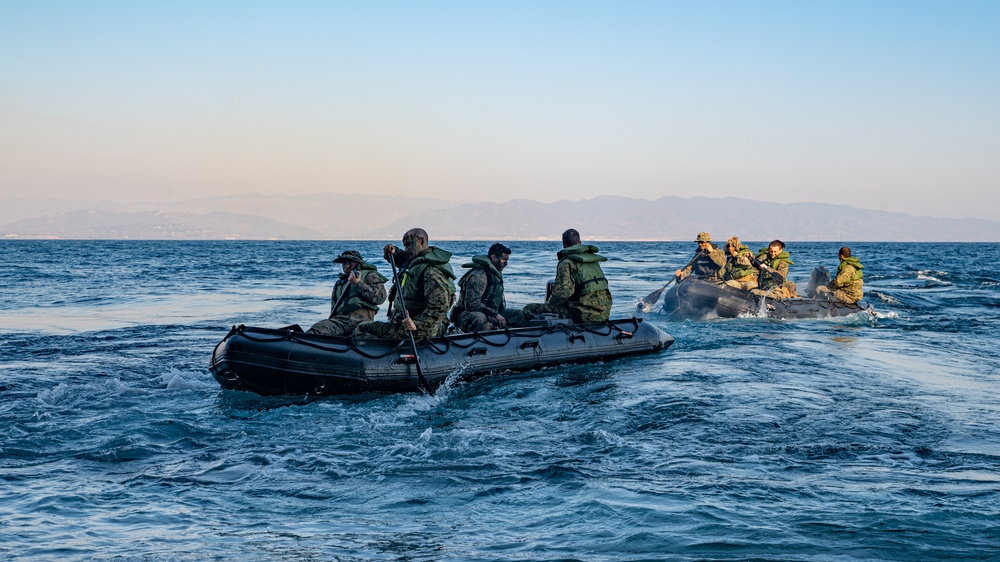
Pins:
<point x="288" y="361"/>
<point x="701" y="299"/>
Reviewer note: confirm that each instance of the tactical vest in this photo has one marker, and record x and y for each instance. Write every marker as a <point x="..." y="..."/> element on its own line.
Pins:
<point x="736" y="270"/>
<point x="589" y="276"/>
<point x="703" y="266"/>
<point x="353" y="300"/>
<point x="412" y="278"/>
<point x="493" y="295"/>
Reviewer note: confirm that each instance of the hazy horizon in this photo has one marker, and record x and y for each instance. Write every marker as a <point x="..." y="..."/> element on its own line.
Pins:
<point x="885" y="106"/>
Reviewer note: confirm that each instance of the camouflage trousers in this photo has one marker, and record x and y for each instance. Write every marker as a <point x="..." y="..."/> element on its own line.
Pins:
<point x="478" y="322"/>
<point x="336" y="326"/>
<point x="341" y="324"/>
<point x="837" y="294"/>
<point x="786" y="290"/>
<point x="743" y="283"/>
<point x="395" y="331"/>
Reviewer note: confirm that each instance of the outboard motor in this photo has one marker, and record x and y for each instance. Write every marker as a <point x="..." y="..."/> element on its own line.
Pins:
<point x="818" y="277"/>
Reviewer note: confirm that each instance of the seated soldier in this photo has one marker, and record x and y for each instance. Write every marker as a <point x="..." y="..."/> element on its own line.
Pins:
<point x="481" y="304"/>
<point x="580" y="291"/>
<point x="356" y="296"/>
<point x="739" y="272"/>
<point x="708" y="260"/>
<point x="772" y="278"/>
<point x="848" y="285"/>
<point x="426" y="288"/>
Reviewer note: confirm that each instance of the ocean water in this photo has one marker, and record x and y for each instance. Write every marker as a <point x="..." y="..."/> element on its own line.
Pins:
<point x="861" y="438"/>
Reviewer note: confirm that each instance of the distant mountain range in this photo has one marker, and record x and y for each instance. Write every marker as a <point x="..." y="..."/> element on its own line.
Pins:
<point x="335" y="216"/>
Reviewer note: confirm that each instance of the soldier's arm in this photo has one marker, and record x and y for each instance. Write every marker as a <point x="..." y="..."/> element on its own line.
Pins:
<point x="564" y="286"/>
<point x="717" y="256"/>
<point x="783" y="269"/>
<point x="372" y="289"/>
<point x="687" y="269"/>
<point x="436" y="297"/>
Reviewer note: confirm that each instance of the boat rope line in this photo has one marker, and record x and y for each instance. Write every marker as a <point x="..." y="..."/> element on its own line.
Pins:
<point x="457" y="340"/>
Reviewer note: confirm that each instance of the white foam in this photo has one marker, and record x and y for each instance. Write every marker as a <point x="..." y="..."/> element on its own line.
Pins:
<point x="175" y="379"/>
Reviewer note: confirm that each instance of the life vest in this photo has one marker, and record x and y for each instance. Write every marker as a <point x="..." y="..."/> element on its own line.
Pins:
<point x="766" y="281"/>
<point x="856" y="264"/>
<point x="493" y="294"/>
<point x="353" y="300"/>
<point x="412" y="278"/>
<point x="589" y="276"/>
<point x="735" y="269"/>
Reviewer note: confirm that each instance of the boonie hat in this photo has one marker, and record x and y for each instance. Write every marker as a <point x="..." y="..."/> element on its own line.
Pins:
<point x="703" y="237"/>
<point x="349" y="255"/>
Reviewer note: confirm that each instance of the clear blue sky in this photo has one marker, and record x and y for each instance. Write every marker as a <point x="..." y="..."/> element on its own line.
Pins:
<point x="882" y="105"/>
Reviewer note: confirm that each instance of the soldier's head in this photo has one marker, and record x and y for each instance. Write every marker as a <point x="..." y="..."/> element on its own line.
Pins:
<point x="570" y="238"/>
<point x="845" y="252"/>
<point x="499" y="254"/>
<point x="349" y="260"/>
<point x="415" y="242"/>
<point x="733" y="245"/>
<point x="775" y="248"/>
<point x="704" y="241"/>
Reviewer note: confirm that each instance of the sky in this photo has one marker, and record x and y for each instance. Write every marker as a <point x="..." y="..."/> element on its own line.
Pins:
<point x="891" y="105"/>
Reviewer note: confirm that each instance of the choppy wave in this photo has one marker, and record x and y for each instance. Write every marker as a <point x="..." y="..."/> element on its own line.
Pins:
<point x="865" y="437"/>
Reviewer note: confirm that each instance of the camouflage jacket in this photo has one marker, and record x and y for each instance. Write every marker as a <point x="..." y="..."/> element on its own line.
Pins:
<point x="849" y="279"/>
<point x="706" y="264"/>
<point x="738" y="267"/>
<point x="365" y="297"/>
<point x="428" y="290"/>
<point x="779" y="263"/>
<point x="589" y="299"/>
<point x="478" y="294"/>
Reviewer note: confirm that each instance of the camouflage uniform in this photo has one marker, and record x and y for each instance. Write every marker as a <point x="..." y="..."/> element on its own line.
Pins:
<point x="427" y="287"/>
<point x="581" y="290"/>
<point x="766" y="284"/>
<point x="739" y="271"/>
<point x="706" y="265"/>
<point x="482" y="298"/>
<point x="360" y="304"/>
<point x="848" y="285"/>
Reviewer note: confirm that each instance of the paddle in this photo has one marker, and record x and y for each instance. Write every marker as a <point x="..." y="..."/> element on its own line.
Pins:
<point x="646" y="304"/>
<point x="347" y="289"/>
<point x="413" y="342"/>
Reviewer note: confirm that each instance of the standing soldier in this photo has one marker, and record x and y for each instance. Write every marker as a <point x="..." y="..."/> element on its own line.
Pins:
<point x="356" y="296"/>
<point x="481" y="304"/>
<point x="581" y="290"/>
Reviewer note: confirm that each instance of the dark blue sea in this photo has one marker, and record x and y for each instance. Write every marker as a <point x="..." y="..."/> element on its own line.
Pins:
<point x="859" y="438"/>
